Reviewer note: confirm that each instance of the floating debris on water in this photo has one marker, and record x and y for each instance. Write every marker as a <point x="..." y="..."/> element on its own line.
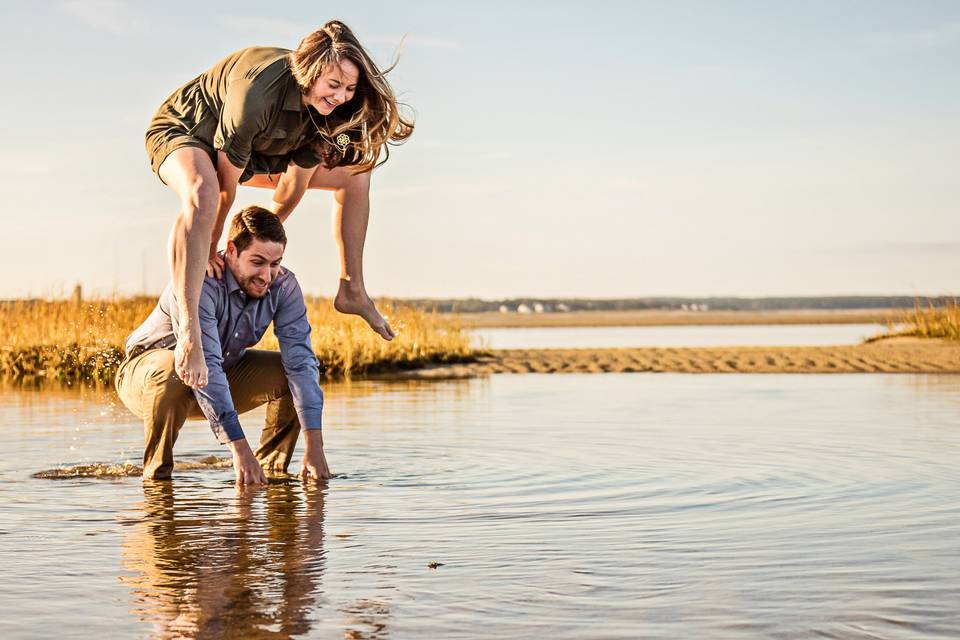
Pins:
<point x="434" y="565"/>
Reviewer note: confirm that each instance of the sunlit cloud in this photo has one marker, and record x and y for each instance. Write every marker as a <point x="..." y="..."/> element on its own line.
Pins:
<point x="112" y="16"/>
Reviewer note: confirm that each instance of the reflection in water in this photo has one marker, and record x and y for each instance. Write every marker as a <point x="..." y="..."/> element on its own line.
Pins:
<point x="568" y="507"/>
<point x="251" y="570"/>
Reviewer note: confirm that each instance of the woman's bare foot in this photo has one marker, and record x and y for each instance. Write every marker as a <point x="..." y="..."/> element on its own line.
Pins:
<point x="356" y="301"/>
<point x="189" y="362"/>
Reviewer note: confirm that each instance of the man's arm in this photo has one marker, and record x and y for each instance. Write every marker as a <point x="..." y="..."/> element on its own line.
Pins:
<point x="215" y="400"/>
<point x="292" y="329"/>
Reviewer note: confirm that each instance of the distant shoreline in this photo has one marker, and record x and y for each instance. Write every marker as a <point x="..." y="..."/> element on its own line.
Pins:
<point x="652" y="318"/>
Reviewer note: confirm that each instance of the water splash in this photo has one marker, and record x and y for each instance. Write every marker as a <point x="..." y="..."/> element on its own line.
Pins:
<point x="126" y="469"/>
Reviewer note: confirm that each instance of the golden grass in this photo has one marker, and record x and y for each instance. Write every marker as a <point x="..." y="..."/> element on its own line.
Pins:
<point x="66" y="341"/>
<point x="933" y="322"/>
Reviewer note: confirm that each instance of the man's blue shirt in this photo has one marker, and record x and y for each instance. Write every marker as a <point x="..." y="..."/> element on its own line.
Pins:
<point x="231" y="322"/>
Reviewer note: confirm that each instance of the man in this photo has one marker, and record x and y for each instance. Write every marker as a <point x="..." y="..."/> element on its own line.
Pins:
<point x="235" y="311"/>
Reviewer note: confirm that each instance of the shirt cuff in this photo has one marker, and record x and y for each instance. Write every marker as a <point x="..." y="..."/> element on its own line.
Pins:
<point x="310" y="419"/>
<point x="229" y="429"/>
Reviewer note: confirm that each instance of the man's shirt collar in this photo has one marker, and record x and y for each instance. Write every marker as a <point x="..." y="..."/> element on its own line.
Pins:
<point x="231" y="281"/>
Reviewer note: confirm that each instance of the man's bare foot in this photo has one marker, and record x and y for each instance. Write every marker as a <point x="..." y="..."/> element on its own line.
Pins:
<point x="359" y="303"/>
<point x="189" y="362"/>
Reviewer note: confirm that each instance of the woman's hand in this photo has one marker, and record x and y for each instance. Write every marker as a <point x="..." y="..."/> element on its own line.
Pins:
<point x="215" y="267"/>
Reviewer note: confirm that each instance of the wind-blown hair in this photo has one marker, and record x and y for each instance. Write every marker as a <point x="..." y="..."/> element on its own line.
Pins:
<point x="371" y="119"/>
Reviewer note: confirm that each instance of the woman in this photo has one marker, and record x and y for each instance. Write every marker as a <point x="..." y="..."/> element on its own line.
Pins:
<point x="318" y="117"/>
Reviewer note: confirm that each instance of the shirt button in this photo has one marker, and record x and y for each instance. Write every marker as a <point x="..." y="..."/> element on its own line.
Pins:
<point x="236" y="335"/>
<point x="228" y="353"/>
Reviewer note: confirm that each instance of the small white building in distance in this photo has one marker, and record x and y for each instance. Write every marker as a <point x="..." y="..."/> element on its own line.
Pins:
<point x="562" y="307"/>
<point x="522" y="308"/>
<point x="537" y="307"/>
<point x="504" y="309"/>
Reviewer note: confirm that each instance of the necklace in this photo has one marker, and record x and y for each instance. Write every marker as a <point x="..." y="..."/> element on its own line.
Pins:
<point x="340" y="143"/>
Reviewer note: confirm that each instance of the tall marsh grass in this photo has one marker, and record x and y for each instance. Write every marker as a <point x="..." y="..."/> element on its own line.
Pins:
<point x="74" y="342"/>
<point x="933" y="322"/>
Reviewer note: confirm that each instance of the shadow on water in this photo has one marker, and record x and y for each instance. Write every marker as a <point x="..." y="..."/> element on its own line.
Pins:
<point x="251" y="570"/>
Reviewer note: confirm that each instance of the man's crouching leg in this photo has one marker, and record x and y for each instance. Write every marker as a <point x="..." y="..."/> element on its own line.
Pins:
<point x="148" y="385"/>
<point x="257" y="379"/>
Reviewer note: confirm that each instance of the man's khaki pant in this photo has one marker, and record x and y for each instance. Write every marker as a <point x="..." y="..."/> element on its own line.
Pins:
<point x="148" y="385"/>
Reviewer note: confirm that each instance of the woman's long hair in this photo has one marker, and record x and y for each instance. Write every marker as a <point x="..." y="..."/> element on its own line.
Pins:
<point x="371" y="119"/>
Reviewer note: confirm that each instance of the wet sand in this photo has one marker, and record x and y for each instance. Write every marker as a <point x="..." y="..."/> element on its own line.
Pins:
<point x="670" y="318"/>
<point x="897" y="355"/>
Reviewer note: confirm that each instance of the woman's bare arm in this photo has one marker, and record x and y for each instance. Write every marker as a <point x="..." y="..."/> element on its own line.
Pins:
<point x="290" y="189"/>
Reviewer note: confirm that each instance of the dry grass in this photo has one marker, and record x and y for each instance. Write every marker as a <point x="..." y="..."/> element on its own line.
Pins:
<point x="933" y="322"/>
<point x="67" y="341"/>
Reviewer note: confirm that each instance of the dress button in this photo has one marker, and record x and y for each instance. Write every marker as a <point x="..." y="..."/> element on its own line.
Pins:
<point x="236" y="335"/>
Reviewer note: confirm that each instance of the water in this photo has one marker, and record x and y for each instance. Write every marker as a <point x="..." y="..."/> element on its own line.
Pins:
<point x="674" y="336"/>
<point x="561" y="506"/>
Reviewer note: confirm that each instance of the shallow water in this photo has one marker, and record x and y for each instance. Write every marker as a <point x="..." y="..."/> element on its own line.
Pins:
<point x="793" y="335"/>
<point x="574" y="506"/>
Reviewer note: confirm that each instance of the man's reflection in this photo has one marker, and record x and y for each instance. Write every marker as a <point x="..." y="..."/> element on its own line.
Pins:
<point x="251" y="572"/>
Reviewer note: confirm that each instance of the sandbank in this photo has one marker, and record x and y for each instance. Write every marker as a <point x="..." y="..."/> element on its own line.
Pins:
<point x="897" y="355"/>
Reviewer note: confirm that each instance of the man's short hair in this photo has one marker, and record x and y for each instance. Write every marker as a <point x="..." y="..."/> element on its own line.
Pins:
<point x="256" y="223"/>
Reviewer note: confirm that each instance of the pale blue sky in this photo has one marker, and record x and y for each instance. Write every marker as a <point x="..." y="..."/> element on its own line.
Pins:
<point x="562" y="149"/>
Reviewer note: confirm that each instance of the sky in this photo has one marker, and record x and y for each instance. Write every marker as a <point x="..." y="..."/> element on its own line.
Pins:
<point x="588" y="149"/>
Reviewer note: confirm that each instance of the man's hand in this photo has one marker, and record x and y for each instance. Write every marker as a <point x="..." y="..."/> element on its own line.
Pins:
<point x="314" y="466"/>
<point x="245" y="464"/>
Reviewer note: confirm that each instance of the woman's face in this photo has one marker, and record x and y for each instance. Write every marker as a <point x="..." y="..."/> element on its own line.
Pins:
<point x="335" y="86"/>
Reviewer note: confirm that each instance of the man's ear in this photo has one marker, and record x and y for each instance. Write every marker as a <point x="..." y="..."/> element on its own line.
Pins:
<point x="231" y="249"/>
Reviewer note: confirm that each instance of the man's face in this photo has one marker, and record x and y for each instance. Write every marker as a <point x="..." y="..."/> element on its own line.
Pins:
<point x="256" y="267"/>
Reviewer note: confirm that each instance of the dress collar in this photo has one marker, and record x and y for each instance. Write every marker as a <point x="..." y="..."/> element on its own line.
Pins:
<point x="292" y="99"/>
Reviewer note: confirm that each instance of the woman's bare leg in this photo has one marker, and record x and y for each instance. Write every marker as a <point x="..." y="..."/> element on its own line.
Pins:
<point x="191" y="174"/>
<point x="351" y="213"/>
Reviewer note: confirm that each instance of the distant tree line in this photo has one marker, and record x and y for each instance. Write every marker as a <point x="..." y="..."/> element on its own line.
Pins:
<point x="477" y="305"/>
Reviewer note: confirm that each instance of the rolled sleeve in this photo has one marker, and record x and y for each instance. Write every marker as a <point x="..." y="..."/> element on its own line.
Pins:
<point x="296" y="353"/>
<point x="214" y="399"/>
<point x="245" y="114"/>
